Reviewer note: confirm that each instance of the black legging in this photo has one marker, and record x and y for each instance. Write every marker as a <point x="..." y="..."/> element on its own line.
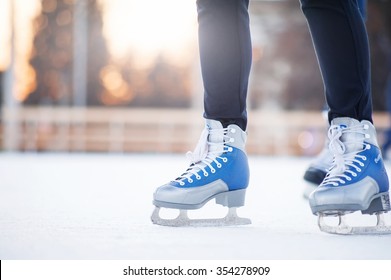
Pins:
<point x="340" y="41"/>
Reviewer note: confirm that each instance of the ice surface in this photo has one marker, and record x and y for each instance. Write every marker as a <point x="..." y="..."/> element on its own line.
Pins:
<point x="98" y="206"/>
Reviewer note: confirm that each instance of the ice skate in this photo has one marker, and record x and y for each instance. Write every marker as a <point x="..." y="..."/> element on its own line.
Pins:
<point x="316" y="172"/>
<point x="218" y="171"/>
<point x="357" y="180"/>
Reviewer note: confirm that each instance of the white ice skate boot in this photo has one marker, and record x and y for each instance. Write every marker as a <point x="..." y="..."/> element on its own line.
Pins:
<point x="316" y="172"/>
<point x="219" y="170"/>
<point x="357" y="180"/>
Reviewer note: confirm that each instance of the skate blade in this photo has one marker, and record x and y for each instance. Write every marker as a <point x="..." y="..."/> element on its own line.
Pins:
<point x="231" y="219"/>
<point x="344" y="229"/>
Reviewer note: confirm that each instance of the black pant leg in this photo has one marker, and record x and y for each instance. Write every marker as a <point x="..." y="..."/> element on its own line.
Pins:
<point x="225" y="52"/>
<point x="341" y="43"/>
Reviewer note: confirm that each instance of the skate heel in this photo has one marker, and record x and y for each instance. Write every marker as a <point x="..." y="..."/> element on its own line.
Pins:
<point x="381" y="203"/>
<point x="231" y="198"/>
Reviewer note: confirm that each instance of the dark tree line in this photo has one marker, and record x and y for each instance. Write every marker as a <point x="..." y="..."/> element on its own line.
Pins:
<point x="285" y="64"/>
<point x="53" y="54"/>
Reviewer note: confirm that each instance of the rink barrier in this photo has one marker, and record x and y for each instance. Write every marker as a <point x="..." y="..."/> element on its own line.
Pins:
<point x="129" y="130"/>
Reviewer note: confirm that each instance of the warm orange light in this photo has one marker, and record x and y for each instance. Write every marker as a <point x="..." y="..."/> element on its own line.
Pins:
<point x="148" y="28"/>
<point x="117" y="90"/>
<point x="24" y="13"/>
<point x="4" y="34"/>
<point x="111" y="78"/>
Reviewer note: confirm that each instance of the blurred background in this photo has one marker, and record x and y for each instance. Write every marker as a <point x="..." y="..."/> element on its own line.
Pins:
<point x="123" y="76"/>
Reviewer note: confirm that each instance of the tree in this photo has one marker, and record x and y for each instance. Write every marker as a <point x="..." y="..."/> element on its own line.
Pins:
<point x="53" y="53"/>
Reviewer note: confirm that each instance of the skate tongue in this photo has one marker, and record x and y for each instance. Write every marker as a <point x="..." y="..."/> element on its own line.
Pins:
<point x="215" y="137"/>
<point x="353" y="140"/>
<point x="203" y="148"/>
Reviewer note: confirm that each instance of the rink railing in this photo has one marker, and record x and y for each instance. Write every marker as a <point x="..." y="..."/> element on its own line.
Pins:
<point x="120" y="130"/>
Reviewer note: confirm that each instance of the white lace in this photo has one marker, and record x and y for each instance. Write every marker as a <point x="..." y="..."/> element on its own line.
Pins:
<point x="205" y="153"/>
<point x="345" y="164"/>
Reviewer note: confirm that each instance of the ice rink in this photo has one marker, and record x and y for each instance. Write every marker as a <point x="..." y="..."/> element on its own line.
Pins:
<point x="98" y="206"/>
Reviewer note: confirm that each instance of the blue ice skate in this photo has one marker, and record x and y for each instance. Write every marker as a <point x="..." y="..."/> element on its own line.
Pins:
<point x="357" y="180"/>
<point x="218" y="170"/>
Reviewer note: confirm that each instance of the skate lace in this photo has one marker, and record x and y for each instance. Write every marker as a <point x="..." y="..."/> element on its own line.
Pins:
<point x="346" y="165"/>
<point x="205" y="154"/>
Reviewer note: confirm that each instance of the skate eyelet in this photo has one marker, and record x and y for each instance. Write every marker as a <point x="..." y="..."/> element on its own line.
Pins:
<point x="190" y="181"/>
<point x="354" y="174"/>
<point x="213" y="171"/>
<point x="219" y="165"/>
<point x="361" y="164"/>
<point x="230" y="149"/>
<point x="364" y="158"/>
<point x="366" y="126"/>
<point x="349" y="179"/>
<point x="206" y="174"/>
<point x="225" y="159"/>
<point x="368" y="147"/>
<point x="231" y="140"/>
<point x="358" y="169"/>
<point x="181" y="183"/>
<point x="198" y="177"/>
<point x="233" y="130"/>
<point x="367" y="136"/>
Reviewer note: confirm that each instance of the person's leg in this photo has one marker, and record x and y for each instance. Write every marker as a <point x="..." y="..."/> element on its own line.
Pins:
<point x="362" y="6"/>
<point x="317" y="169"/>
<point x="357" y="180"/>
<point x="341" y="44"/>
<point x="225" y="51"/>
<point x="218" y="166"/>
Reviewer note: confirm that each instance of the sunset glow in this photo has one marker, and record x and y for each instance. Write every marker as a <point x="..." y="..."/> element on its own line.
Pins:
<point x="150" y="27"/>
<point x="24" y="13"/>
<point x="4" y="33"/>
<point x="142" y="30"/>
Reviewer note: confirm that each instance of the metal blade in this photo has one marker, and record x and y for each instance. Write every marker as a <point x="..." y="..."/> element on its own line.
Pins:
<point x="231" y="219"/>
